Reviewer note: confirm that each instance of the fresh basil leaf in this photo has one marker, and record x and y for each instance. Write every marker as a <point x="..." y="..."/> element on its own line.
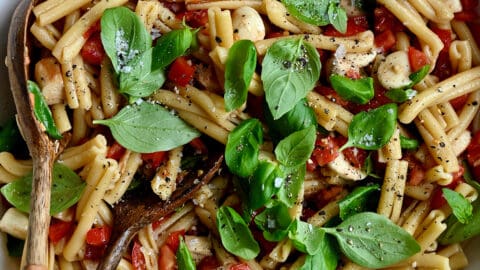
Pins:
<point x="373" y="241"/>
<point x="467" y="175"/>
<point x="461" y="207"/>
<point x="67" y="187"/>
<point x="337" y="17"/>
<point x="15" y="246"/>
<point x="42" y="111"/>
<point x="9" y="135"/>
<point x="326" y="258"/>
<point x="418" y="76"/>
<point x="361" y="199"/>
<point x="264" y="183"/>
<point x="294" y="176"/>
<point x="309" y="11"/>
<point x="306" y="237"/>
<point x="290" y="69"/>
<point x="400" y="95"/>
<point x="235" y="234"/>
<point x="369" y="168"/>
<point x="300" y="117"/>
<point x="184" y="258"/>
<point x="141" y="81"/>
<point x="358" y="90"/>
<point x="239" y="69"/>
<point x="458" y="232"/>
<point x="274" y="221"/>
<point x="243" y="146"/>
<point x="407" y="143"/>
<point x="148" y="127"/>
<point x="373" y="129"/>
<point x="124" y="37"/>
<point x="296" y="149"/>
<point x="170" y="46"/>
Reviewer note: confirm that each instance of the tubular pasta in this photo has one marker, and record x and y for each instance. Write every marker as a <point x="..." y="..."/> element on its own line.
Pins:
<point x="391" y="196"/>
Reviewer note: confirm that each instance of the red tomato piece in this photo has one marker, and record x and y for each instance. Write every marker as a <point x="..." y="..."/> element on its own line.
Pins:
<point x="331" y="94"/>
<point x="417" y="59"/>
<point x="199" y="146"/>
<point x="98" y="236"/>
<point x="173" y="239"/>
<point x="208" y="263"/>
<point x="239" y="266"/>
<point x="92" y="51"/>
<point x="385" y="40"/>
<point x="154" y="159"/>
<point x="469" y="4"/>
<point x="459" y="102"/>
<point x="311" y="165"/>
<point x="138" y="259"/>
<point x="326" y="150"/>
<point x="95" y="28"/>
<point x="466" y="16"/>
<point x="385" y="20"/>
<point x="473" y="151"/>
<point x="355" y="156"/>
<point x="59" y="229"/>
<point x="115" y="151"/>
<point x="167" y="259"/>
<point x="445" y="36"/>
<point x="94" y="252"/>
<point x="443" y="68"/>
<point x="181" y="71"/>
<point x="438" y="200"/>
<point x="355" y="25"/>
<point x="194" y="18"/>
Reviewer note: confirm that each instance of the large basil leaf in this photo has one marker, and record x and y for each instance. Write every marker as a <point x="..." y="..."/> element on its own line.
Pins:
<point x="264" y="183"/>
<point x="274" y="221"/>
<point x="457" y="231"/>
<point x="294" y="177"/>
<point x="310" y="11"/>
<point x="239" y="69"/>
<point x="306" y="237"/>
<point x="296" y="149"/>
<point x="243" y="146"/>
<point x="373" y="129"/>
<point x="358" y="91"/>
<point x="359" y="200"/>
<point x="67" y="187"/>
<point x="289" y="71"/>
<point x="461" y="207"/>
<point x="124" y="37"/>
<point x="148" y="127"/>
<point x="373" y="241"/>
<point x="42" y="111"/>
<point x="170" y="46"/>
<point x="235" y="235"/>
<point x="326" y="258"/>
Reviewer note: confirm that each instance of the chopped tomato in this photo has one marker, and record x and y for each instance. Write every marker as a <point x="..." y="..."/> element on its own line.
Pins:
<point x="353" y="74"/>
<point x="92" y="51"/>
<point x="469" y="4"/>
<point x="443" y="68"/>
<point x="59" y="229"/>
<point x="417" y="59"/>
<point x="331" y="94"/>
<point x="384" y="20"/>
<point x="181" y="71"/>
<point x="175" y="7"/>
<point x="445" y="36"/>
<point x="416" y="174"/>
<point x="239" y="266"/>
<point x="355" y="156"/>
<point x="438" y="200"/>
<point x="326" y="150"/>
<point x="459" y="102"/>
<point x="154" y="159"/>
<point x="473" y="152"/>
<point x="208" y="263"/>
<point x="385" y="40"/>
<point x="115" y="151"/>
<point x="378" y="100"/>
<point x="173" y="239"/>
<point x="95" y="28"/>
<point x="98" y="236"/>
<point x="355" y="25"/>
<point x="138" y="259"/>
<point x="466" y="16"/>
<point x="199" y="146"/>
<point x="194" y="18"/>
<point x="166" y="259"/>
<point x="311" y="165"/>
<point x="94" y="252"/>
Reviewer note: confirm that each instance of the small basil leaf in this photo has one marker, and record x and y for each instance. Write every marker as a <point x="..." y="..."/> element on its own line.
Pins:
<point x="124" y="37"/>
<point x="373" y="129"/>
<point x="407" y="143"/>
<point x="235" y="235"/>
<point x="373" y="241"/>
<point x="361" y="199"/>
<point x="326" y="258"/>
<point x="67" y="187"/>
<point x="358" y="90"/>
<point x="310" y="11"/>
<point x="306" y="237"/>
<point x="184" y="258"/>
<point x="467" y="175"/>
<point x="461" y="207"/>
<point x="148" y="127"/>
<point x="274" y="221"/>
<point x="337" y="17"/>
<point x="296" y="149"/>
<point x="294" y="176"/>
<point x="458" y="232"/>
<point x="141" y="81"/>
<point x="300" y="117"/>
<point x="170" y="46"/>
<point x="290" y="69"/>
<point x="418" y="76"/>
<point x="239" y="69"/>
<point x="42" y="111"/>
<point x="243" y="146"/>
<point x="400" y="95"/>
<point x="9" y="135"/>
<point x="264" y="183"/>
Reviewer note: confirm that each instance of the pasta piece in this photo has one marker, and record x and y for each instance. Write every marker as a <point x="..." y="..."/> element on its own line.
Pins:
<point x="419" y="192"/>
<point x="57" y="11"/>
<point x="15" y="223"/>
<point x="164" y="181"/>
<point x="229" y="4"/>
<point x="391" y="196"/>
<point x="60" y="116"/>
<point x="130" y="166"/>
<point x="14" y="166"/>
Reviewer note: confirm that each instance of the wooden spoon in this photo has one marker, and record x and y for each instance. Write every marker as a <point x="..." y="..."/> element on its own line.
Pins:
<point x="42" y="150"/>
<point x="136" y="210"/>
